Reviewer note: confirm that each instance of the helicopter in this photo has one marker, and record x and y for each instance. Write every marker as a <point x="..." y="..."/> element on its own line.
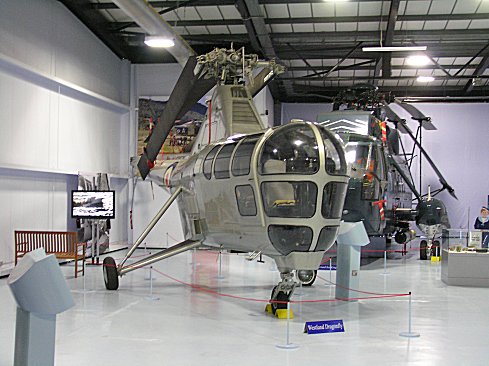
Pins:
<point x="380" y="168"/>
<point x="277" y="192"/>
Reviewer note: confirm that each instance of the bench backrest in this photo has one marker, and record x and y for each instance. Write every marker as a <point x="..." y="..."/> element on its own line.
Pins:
<point x="51" y="241"/>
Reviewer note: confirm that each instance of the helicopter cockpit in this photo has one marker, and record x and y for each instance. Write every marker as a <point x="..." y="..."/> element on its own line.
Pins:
<point x="303" y="177"/>
<point x="289" y="185"/>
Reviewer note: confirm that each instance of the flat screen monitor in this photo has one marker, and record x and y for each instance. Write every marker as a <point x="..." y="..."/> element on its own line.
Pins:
<point x="93" y="204"/>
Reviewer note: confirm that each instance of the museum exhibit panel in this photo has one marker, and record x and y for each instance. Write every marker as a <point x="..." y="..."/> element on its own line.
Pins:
<point x="300" y="179"/>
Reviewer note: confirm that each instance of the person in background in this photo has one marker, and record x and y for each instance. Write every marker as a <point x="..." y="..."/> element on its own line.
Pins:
<point x="482" y="223"/>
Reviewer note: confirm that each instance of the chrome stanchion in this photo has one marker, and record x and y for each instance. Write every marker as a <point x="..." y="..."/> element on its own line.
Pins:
<point x="151" y="296"/>
<point x="219" y="270"/>
<point x="409" y="333"/>
<point x="385" y="273"/>
<point x="288" y="345"/>
<point x="330" y="274"/>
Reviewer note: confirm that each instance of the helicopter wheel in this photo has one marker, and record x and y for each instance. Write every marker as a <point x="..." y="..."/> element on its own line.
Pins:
<point x="111" y="277"/>
<point x="423" y="246"/>
<point x="436" y="244"/>
<point x="281" y="296"/>
<point x="307" y="277"/>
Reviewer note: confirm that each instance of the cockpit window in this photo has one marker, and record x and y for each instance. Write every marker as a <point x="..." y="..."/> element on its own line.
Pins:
<point x="333" y="197"/>
<point x="207" y="169"/>
<point x="245" y="197"/>
<point x="242" y="156"/>
<point x="366" y="164"/>
<point x="289" y="199"/>
<point x="335" y="163"/>
<point x="221" y="166"/>
<point x="364" y="157"/>
<point x="290" y="150"/>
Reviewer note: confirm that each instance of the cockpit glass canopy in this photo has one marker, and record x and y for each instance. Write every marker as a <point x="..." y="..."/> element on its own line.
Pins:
<point x="364" y="157"/>
<point x="290" y="150"/>
<point x="335" y="163"/>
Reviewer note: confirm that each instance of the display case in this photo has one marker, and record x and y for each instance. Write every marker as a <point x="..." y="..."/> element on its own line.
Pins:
<point x="464" y="262"/>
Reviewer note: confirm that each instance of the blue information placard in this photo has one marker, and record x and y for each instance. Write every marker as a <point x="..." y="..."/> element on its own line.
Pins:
<point x="324" y="326"/>
<point x="325" y="267"/>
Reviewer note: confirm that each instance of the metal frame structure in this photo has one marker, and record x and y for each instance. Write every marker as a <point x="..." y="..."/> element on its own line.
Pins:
<point x="321" y="43"/>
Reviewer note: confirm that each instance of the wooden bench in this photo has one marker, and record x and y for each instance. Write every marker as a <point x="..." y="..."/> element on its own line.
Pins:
<point x="64" y="245"/>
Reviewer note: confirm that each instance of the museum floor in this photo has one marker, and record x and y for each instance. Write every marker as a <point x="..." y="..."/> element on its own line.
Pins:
<point x="191" y="326"/>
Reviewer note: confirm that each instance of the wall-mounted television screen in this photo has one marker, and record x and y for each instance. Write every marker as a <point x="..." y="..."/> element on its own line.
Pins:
<point x="93" y="204"/>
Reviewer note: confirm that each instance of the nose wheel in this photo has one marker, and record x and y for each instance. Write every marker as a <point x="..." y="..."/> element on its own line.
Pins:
<point x="281" y="295"/>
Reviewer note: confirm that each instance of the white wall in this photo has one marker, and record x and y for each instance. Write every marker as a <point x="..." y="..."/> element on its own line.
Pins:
<point x="458" y="147"/>
<point x="155" y="81"/>
<point x="63" y="109"/>
<point x="44" y="35"/>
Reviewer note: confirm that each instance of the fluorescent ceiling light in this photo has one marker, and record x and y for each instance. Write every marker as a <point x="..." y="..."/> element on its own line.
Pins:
<point x="418" y="60"/>
<point x="394" y="49"/>
<point x="425" y="79"/>
<point x="159" y="41"/>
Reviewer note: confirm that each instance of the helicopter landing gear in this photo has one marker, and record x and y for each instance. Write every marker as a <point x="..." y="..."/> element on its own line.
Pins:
<point x="111" y="277"/>
<point x="307" y="277"/>
<point x="281" y="295"/>
<point x="423" y="250"/>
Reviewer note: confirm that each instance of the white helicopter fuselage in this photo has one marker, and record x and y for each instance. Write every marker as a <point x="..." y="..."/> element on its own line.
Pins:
<point x="279" y="192"/>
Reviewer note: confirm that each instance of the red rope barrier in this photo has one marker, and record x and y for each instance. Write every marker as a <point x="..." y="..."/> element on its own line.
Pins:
<point x="213" y="292"/>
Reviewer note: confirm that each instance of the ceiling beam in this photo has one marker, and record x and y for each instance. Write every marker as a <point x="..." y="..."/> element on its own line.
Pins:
<point x="467" y="64"/>
<point x="483" y="65"/>
<point x="377" y="69"/>
<point x="353" y="78"/>
<point x="368" y="65"/>
<point x="401" y="90"/>
<point x="95" y="21"/>
<point x="318" y="20"/>
<point x="389" y="37"/>
<point x="309" y="66"/>
<point x="462" y="35"/>
<point x="259" y="37"/>
<point x="164" y="4"/>
<point x="124" y="25"/>
<point x="255" y="25"/>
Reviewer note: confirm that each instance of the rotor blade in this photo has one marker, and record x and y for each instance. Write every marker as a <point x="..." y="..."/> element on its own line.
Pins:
<point x="188" y="90"/>
<point x="394" y="118"/>
<point x="417" y="115"/>
<point x="442" y="180"/>
<point x="411" y="186"/>
<point x="261" y="80"/>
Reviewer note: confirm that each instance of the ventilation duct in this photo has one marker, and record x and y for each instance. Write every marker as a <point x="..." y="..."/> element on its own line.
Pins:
<point x="154" y="25"/>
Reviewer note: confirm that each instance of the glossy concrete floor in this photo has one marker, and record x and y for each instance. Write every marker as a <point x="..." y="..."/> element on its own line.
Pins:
<point x="191" y="326"/>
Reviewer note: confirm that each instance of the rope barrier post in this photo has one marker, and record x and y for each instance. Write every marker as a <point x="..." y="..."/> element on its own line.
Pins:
<point x="299" y="291"/>
<point x="385" y="273"/>
<point x="219" y="271"/>
<point x="287" y="344"/>
<point x="409" y="333"/>
<point x="147" y="272"/>
<point x="84" y="286"/>
<point x="150" y="296"/>
<point x="84" y="290"/>
<point x="330" y="275"/>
